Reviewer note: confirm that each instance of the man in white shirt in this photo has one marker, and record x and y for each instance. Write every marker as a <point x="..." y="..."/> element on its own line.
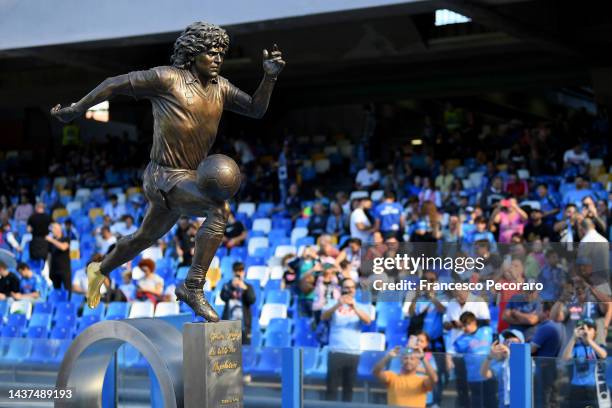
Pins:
<point x="464" y="301"/>
<point x="105" y="240"/>
<point x="125" y="227"/>
<point x="576" y="157"/>
<point x="113" y="209"/>
<point x="368" y="178"/>
<point x="360" y="224"/>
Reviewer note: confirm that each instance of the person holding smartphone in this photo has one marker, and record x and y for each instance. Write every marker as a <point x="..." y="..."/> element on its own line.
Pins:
<point x="586" y="353"/>
<point x="345" y="319"/>
<point x="408" y="388"/>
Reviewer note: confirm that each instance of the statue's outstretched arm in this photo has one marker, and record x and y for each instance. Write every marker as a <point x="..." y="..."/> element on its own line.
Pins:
<point x="110" y="87"/>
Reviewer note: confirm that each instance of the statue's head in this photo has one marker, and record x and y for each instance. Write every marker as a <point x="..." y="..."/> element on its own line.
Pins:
<point x="201" y="46"/>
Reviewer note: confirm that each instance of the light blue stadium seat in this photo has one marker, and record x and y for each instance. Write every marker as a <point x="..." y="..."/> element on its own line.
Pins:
<point x="77" y="298"/>
<point x="63" y="309"/>
<point x="18" y="350"/>
<point x="278" y="325"/>
<point x="181" y="273"/>
<point x="57" y="295"/>
<point x="17" y="320"/>
<point x="40" y="320"/>
<point x="386" y="311"/>
<point x="306" y="339"/>
<point x="61" y="333"/>
<point x="301" y="223"/>
<point x="269" y="363"/>
<point x="10" y="331"/>
<point x="310" y="359"/>
<point x="237" y="253"/>
<point x="37" y="332"/>
<point x="43" y="307"/>
<point x="273" y="284"/>
<point x="249" y="358"/>
<point x="61" y="349"/>
<point x="305" y="241"/>
<point x="277" y="339"/>
<point x="320" y="371"/>
<point x="97" y="311"/>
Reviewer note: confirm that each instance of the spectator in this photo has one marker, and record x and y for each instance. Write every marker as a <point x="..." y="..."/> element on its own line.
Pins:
<point x="292" y="203"/>
<point x="352" y="253"/>
<point x="105" y="240"/>
<point x="344" y="333"/>
<point x="9" y="283"/>
<point x="498" y="364"/>
<point x="567" y="227"/>
<point x="407" y="389"/>
<point x="238" y="296"/>
<point x="576" y="159"/>
<point x="426" y="312"/>
<point x="589" y="211"/>
<point x="30" y="285"/>
<point x="38" y="224"/>
<point x="464" y="301"/>
<point x="475" y="345"/>
<point x="452" y="236"/>
<point x="515" y="186"/>
<point x="522" y="312"/>
<point x="367" y="178"/>
<point x="114" y="209"/>
<point x="125" y="227"/>
<point x="235" y="233"/>
<point x="429" y="193"/>
<point x="390" y="220"/>
<point x="537" y="229"/>
<point x="427" y="227"/>
<point x="552" y="275"/>
<point x="598" y="293"/>
<point x="8" y="240"/>
<point x="128" y="289"/>
<point x="326" y="289"/>
<point x="548" y="204"/>
<point x="286" y="172"/>
<point x="493" y="193"/>
<point x="69" y="230"/>
<point x="444" y="181"/>
<point x="24" y="210"/>
<point x="545" y="347"/>
<point x="59" y="248"/>
<point x="150" y="286"/>
<point x="318" y="221"/>
<point x="510" y="218"/>
<point x="581" y="191"/>
<point x="309" y="267"/>
<point x="337" y="221"/>
<point x="361" y="226"/>
<point x="482" y="233"/>
<point x="587" y="355"/>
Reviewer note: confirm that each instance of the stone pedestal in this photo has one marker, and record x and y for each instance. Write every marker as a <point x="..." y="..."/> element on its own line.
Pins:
<point x="212" y="365"/>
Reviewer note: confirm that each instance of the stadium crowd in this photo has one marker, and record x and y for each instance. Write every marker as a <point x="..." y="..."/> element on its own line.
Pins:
<point x="524" y="197"/>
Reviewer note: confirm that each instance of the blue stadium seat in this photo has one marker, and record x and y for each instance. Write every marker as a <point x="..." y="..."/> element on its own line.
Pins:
<point x="77" y="298"/>
<point x="303" y="325"/>
<point x="63" y="346"/>
<point x="57" y="295"/>
<point x="61" y="333"/>
<point x="249" y="358"/>
<point x="43" y="307"/>
<point x="17" y="320"/>
<point x="37" y="332"/>
<point x="63" y="309"/>
<point x="273" y="284"/>
<point x="97" y="311"/>
<point x="367" y="360"/>
<point x="279" y="222"/>
<point x="237" y="253"/>
<point x="40" y="320"/>
<point x="386" y="311"/>
<point x="396" y="339"/>
<point x="277" y="339"/>
<point x="305" y="339"/>
<point x="310" y="359"/>
<point x="301" y="223"/>
<point x="397" y="326"/>
<point x="10" y="331"/>
<point x="276" y="233"/>
<point x="221" y="252"/>
<point x="3" y="309"/>
<point x="181" y="273"/>
<point x="18" y="350"/>
<point x="263" y="210"/>
<point x="269" y="364"/>
<point x="118" y="309"/>
<point x="320" y="371"/>
<point x="304" y="241"/>
<point x="88" y="320"/>
<point x="127" y="356"/>
<point x="282" y="297"/>
<point x="255" y="260"/>
<point x="278" y="325"/>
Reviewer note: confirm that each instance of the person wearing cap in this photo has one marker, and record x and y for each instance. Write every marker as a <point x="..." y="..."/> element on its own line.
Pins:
<point x="151" y="285"/>
<point x="585" y="353"/>
<point x="498" y="364"/>
<point x="406" y="389"/>
<point x="474" y="344"/>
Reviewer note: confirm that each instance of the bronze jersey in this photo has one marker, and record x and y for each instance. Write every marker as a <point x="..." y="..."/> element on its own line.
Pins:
<point x="186" y="113"/>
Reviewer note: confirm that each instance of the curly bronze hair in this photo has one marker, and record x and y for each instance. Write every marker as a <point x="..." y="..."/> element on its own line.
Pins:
<point x="195" y="39"/>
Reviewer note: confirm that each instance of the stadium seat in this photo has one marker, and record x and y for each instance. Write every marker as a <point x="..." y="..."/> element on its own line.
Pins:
<point x="270" y="311"/>
<point x="282" y="223"/>
<point x="269" y="364"/>
<point x="273" y="284"/>
<point x="297" y="233"/>
<point x="302" y="223"/>
<point x="64" y="308"/>
<point x="166" y="309"/>
<point x="181" y="273"/>
<point x="305" y="241"/>
<point x="256" y="242"/>
<point x="386" y="311"/>
<point x="359" y="194"/>
<point x="279" y="326"/>
<point x="276" y="272"/>
<point x="262" y="224"/>
<point x="61" y="333"/>
<point x="246" y="208"/>
<point x="40" y="320"/>
<point x="3" y="309"/>
<point x="281" y="297"/>
<point x="120" y="309"/>
<point x="372" y="342"/>
<point x="18" y="350"/>
<point x="141" y="309"/>
<point x="238" y="253"/>
<point x="306" y="339"/>
<point x="249" y="358"/>
<point x="377" y="195"/>
<point x="277" y="339"/>
<point x="260" y="273"/>
<point x="367" y="360"/>
<point x="320" y="371"/>
<point x="43" y="307"/>
<point x="10" y="331"/>
<point x="97" y="311"/>
<point x="264" y="209"/>
<point x="37" y="332"/>
<point x="57" y="295"/>
<point x="23" y="307"/>
<point x="283" y="250"/>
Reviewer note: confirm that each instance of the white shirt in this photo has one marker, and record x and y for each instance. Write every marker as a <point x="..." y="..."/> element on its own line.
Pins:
<point x="593" y="236"/>
<point x="454" y="310"/>
<point x="359" y="216"/>
<point x="149" y="283"/>
<point x="366" y="179"/>
<point x="104" y="244"/>
<point x="121" y="229"/>
<point x="115" y="212"/>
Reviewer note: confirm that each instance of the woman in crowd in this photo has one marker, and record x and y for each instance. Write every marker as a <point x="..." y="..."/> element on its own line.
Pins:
<point x="510" y="218"/>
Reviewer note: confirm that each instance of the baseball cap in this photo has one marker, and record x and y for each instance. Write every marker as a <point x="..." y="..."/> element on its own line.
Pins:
<point x="583" y="260"/>
<point x="587" y="322"/>
<point x="506" y="334"/>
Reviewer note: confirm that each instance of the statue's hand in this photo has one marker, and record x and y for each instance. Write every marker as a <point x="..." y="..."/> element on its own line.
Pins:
<point x="65" y="115"/>
<point x="273" y="62"/>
